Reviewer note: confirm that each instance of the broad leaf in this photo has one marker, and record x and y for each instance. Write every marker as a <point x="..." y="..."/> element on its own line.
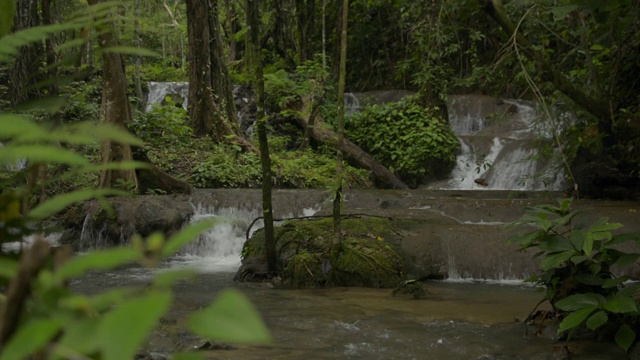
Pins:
<point x="7" y="8"/>
<point x="576" y="318"/>
<point x="622" y="238"/>
<point x="610" y="283"/>
<point x="589" y="279"/>
<point x="621" y="304"/>
<point x="62" y="201"/>
<point x="29" y="338"/>
<point x="627" y="259"/>
<point x="596" y="320"/>
<point x="34" y="153"/>
<point x="123" y="330"/>
<point x="555" y="260"/>
<point x="580" y="301"/>
<point x="187" y="235"/>
<point x="625" y="337"/>
<point x="8" y="267"/>
<point x="96" y="260"/>
<point x="230" y="318"/>
<point x="80" y="337"/>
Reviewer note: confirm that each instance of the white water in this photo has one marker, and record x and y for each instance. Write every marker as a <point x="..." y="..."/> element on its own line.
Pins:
<point x="16" y="165"/>
<point x="501" y="154"/>
<point x="158" y="91"/>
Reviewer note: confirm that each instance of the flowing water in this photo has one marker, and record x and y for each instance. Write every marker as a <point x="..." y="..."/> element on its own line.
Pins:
<point x="457" y="320"/>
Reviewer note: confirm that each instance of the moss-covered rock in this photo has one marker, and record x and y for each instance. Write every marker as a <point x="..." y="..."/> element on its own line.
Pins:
<point x="368" y="255"/>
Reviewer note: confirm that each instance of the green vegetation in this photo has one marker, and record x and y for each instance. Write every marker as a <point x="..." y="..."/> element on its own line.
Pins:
<point x="367" y="256"/>
<point x="577" y="264"/>
<point x="40" y="317"/>
<point x="410" y="140"/>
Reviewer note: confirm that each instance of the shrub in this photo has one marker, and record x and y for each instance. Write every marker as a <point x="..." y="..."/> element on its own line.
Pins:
<point x="413" y="142"/>
<point x="576" y="263"/>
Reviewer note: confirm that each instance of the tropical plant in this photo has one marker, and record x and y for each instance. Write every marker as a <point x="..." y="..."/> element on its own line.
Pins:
<point x="40" y="317"/>
<point x="410" y="140"/>
<point x="577" y="269"/>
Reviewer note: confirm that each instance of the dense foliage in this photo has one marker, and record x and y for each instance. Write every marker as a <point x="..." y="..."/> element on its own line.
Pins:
<point x="410" y="140"/>
<point x="577" y="264"/>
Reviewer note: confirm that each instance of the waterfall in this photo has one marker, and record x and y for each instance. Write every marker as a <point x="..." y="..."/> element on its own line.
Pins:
<point x="158" y="91"/>
<point x="498" y="146"/>
<point x="16" y="165"/>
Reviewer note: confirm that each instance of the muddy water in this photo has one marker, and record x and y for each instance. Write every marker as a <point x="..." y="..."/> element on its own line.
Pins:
<point x="462" y="320"/>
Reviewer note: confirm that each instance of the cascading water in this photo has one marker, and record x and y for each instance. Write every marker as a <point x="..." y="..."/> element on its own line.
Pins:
<point x="158" y="91"/>
<point x="218" y="249"/>
<point x="498" y="146"/>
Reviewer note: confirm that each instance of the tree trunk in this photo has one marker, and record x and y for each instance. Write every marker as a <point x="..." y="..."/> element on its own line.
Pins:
<point x="306" y="25"/>
<point x="115" y="109"/>
<point x="138" y="58"/>
<point x="267" y="208"/>
<point x="337" y="200"/>
<point x="50" y="51"/>
<point x="24" y="70"/>
<point x="208" y="77"/>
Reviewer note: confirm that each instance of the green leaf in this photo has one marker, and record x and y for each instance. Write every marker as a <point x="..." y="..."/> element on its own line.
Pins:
<point x="561" y="12"/>
<point x="139" y="316"/>
<point x="34" y="153"/>
<point x="589" y="279"/>
<point x="580" y="301"/>
<point x="610" y="283"/>
<point x="29" y="338"/>
<point x="189" y="356"/>
<point x="96" y="260"/>
<point x="187" y="235"/>
<point x="577" y="239"/>
<point x="625" y="337"/>
<point x="555" y="260"/>
<point x="622" y="238"/>
<point x="230" y="318"/>
<point x="7" y="9"/>
<point x="576" y="318"/>
<point x="596" y="320"/>
<point x="621" y="304"/>
<point x="8" y="268"/>
<point x="62" y="201"/>
<point x="80" y="337"/>
<point x="168" y="278"/>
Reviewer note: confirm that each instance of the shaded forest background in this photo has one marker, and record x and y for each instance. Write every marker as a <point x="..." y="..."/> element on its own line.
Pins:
<point x="570" y="56"/>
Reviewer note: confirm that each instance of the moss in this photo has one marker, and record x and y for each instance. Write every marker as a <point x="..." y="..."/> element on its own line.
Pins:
<point x="367" y="256"/>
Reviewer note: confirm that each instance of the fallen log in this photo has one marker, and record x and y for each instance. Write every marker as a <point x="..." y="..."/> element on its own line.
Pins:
<point x="354" y="153"/>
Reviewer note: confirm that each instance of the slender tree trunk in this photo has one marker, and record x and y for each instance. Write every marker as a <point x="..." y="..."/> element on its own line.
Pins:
<point x="138" y="59"/>
<point x="115" y="109"/>
<point x="50" y="51"/>
<point x="306" y="12"/>
<point x="337" y="200"/>
<point x="24" y="70"/>
<point x="267" y="210"/>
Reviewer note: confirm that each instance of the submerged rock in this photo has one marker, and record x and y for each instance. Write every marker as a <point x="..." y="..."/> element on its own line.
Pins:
<point x="368" y="256"/>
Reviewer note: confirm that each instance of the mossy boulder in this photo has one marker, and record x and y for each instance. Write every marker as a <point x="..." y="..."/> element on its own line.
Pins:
<point x="368" y="255"/>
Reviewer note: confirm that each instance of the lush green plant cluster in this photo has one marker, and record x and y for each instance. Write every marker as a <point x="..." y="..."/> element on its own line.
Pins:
<point x="410" y="140"/>
<point x="163" y="125"/>
<point x="49" y="320"/>
<point x="577" y="263"/>
<point x="158" y="71"/>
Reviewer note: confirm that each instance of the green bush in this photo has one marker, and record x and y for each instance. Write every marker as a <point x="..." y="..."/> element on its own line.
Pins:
<point x="163" y="125"/>
<point x="413" y="142"/>
<point x="576" y="263"/>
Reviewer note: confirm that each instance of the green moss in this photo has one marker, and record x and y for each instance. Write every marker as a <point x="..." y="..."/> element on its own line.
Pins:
<point x="367" y="256"/>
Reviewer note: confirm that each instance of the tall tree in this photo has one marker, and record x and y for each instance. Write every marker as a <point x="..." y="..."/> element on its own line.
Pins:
<point x="306" y="27"/>
<point x="261" y="116"/>
<point x="115" y="108"/>
<point x="337" y="200"/>
<point x="22" y="77"/>
<point x="211" y="107"/>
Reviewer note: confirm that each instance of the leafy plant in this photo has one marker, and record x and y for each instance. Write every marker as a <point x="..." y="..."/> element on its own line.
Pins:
<point x="576" y="263"/>
<point x="410" y="140"/>
<point x="39" y="316"/>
